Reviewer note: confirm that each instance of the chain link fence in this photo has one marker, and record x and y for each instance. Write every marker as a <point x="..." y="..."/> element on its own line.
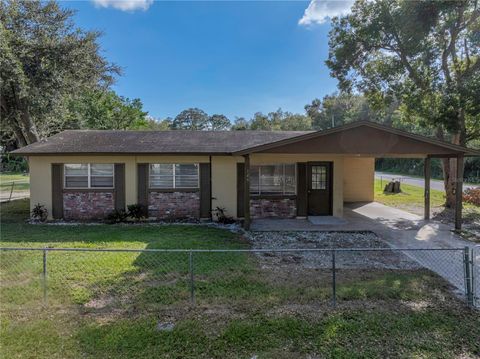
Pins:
<point x="10" y="190"/>
<point x="141" y="281"/>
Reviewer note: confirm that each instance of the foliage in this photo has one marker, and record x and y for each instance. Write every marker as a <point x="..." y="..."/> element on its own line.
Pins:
<point x="39" y="213"/>
<point x="425" y="54"/>
<point x="472" y="195"/>
<point x="222" y="217"/>
<point x="10" y="163"/>
<point x="279" y="120"/>
<point x="136" y="211"/>
<point x="105" y="110"/>
<point x="45" y="62"/>
<point x="116" y="216"/>
<point x="240" y="124"/>
<point x="218" y="122"/>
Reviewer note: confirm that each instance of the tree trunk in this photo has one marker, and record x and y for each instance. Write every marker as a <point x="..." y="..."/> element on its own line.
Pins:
<point x="449" y="167"/>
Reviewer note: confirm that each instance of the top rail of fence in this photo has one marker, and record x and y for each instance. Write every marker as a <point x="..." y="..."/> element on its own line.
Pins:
<point x="257" y="250"/>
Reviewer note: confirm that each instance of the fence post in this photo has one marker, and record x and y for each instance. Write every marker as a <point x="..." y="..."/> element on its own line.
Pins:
<point x="192" y="279"/>
<point x="44" y="281"/>
<point x="468" y="276"/>
<point x="11" y="191"/>
<point x="334" y="284"/>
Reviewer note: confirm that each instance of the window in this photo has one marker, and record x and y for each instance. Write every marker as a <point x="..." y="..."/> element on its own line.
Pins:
<point x="173" y="175"/>
<point x="273" y="179"/>
<point x="89" y="175"/>
<point x="319" y="177"/>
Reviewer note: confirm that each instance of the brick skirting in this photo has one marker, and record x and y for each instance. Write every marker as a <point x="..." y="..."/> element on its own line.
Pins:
<point x="281" y="208"/>
<point x="87" y="205"/>
<point x="174" y="205"/>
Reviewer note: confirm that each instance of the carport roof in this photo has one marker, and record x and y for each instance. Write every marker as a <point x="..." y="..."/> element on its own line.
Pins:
<point x="358" y="138"/>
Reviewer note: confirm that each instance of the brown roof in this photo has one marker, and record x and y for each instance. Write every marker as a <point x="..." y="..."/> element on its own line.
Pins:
<point x="152" y="142"/>
<point x="358" y="137"/>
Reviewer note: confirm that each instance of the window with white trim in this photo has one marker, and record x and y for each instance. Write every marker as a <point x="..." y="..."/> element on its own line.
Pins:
<point x="88" y="175"/>
<point x="273" y="179"/>
<point x="173" y="175"/>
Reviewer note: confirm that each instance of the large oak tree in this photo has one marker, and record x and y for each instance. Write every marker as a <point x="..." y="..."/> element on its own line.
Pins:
<point x="45" y="63"/>
<point x="422" y="53"/>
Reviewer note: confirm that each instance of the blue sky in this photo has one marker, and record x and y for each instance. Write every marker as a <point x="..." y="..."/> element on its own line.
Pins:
<point x="234" y="58"/>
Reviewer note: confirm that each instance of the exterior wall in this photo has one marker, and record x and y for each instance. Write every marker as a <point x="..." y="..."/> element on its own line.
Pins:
<point x="276" y="208"/>
<point x="87" y="205"/>
<point x="41" y="173"/>
<point x="174" y="205"/>
<point x="224" y="183"/>
<point x="271" y="158"/>
<point x="224" y="175"/>
<point x="358" y="179"/>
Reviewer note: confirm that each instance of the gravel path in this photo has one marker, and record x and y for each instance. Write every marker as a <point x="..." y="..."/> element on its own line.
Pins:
<point x="388" y="259"/>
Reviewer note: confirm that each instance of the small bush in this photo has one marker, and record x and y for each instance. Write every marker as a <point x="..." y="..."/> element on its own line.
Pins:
<point x="136" y="211"/>
<point x="472" y="195"/>
<point x="39" y="213"/>
<point x="222" y="217"/>
<point x="117" y="216"/>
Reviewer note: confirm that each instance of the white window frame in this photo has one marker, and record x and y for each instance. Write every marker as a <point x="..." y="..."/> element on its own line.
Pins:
<point x="173" y="175"/>
<point x="283" y="180"/>
<point x="88" y="176"/>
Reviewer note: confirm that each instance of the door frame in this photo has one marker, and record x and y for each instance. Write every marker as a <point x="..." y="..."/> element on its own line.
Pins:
<point x="330" y="179"/>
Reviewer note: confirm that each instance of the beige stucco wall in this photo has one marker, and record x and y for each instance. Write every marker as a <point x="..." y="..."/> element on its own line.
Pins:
<point x="224" y="174"/>
<point x="358" y="179"/>
<point x="41" y="173"/>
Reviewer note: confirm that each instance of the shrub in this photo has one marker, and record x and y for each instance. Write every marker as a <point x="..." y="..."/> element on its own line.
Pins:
<point x="116" y="216"/>
<point x="39" y="213"/>
<point x="136" y="211"/>
<point x="472" y="195"/>
<point x="220" y="213"/>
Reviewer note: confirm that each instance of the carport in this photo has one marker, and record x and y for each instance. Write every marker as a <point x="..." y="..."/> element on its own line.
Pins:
<point x="358" y="139"/>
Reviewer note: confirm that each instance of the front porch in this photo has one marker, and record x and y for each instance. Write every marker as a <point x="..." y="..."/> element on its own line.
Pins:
<point x="357" y="217"/>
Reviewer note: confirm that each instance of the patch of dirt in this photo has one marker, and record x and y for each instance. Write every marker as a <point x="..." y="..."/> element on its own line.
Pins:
<point x="387" y="259"/>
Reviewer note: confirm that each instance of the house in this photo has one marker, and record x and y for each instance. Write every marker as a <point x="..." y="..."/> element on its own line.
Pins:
<point x="252" y="174"/>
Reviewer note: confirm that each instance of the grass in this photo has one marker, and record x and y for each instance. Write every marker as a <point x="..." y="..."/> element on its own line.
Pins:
<point x="22" y="182"/>
<point x="411" y="199"/>
<point x="107" y="305"/>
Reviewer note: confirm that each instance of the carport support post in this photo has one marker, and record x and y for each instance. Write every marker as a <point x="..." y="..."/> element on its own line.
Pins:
<point x="458" y="193"/>
<point x="427" y="172"/>
<point x="246" y="193"/>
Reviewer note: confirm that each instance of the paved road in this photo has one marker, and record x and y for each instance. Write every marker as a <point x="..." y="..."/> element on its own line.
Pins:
<point x="415" y="181"/>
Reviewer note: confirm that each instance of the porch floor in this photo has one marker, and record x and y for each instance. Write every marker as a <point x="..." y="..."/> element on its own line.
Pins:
<point x="356" y="217"/>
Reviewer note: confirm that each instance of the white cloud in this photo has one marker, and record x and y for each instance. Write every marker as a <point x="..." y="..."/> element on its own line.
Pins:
<point x="124" y="5"/>
<point x="321" y="11"/>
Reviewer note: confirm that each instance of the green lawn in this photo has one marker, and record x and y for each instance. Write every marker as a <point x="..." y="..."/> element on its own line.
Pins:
<point x="22" y="182"/>
<point x="411" y="199"/>
<point x="107" y="305"/>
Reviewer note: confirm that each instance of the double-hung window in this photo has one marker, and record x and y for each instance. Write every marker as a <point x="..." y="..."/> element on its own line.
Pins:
<point x="273" y="179"/>
<point x="173" y="175"/>
<point x="88" y="175"/>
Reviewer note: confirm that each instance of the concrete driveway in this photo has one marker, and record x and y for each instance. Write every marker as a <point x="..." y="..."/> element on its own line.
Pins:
<point x="400" y="229"/>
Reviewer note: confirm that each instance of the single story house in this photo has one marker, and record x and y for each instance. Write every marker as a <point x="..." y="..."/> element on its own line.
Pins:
<point x="85" y="174"/>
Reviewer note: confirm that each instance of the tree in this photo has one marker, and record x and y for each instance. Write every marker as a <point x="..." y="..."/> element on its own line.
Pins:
<point x="45" y="61"/>
<point x="191" y="119"/>
<point x="424" y="53"/>
<point x="105" y="110"/>
<point x="260" y="122"/>
<point x="296" y="122"/>
<point x="240" y="124"/>
<point x="154" y="124"/>
<point x="218" y="122"/>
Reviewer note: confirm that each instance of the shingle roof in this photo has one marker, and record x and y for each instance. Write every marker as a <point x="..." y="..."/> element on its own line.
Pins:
<point x="152" y="142"/>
